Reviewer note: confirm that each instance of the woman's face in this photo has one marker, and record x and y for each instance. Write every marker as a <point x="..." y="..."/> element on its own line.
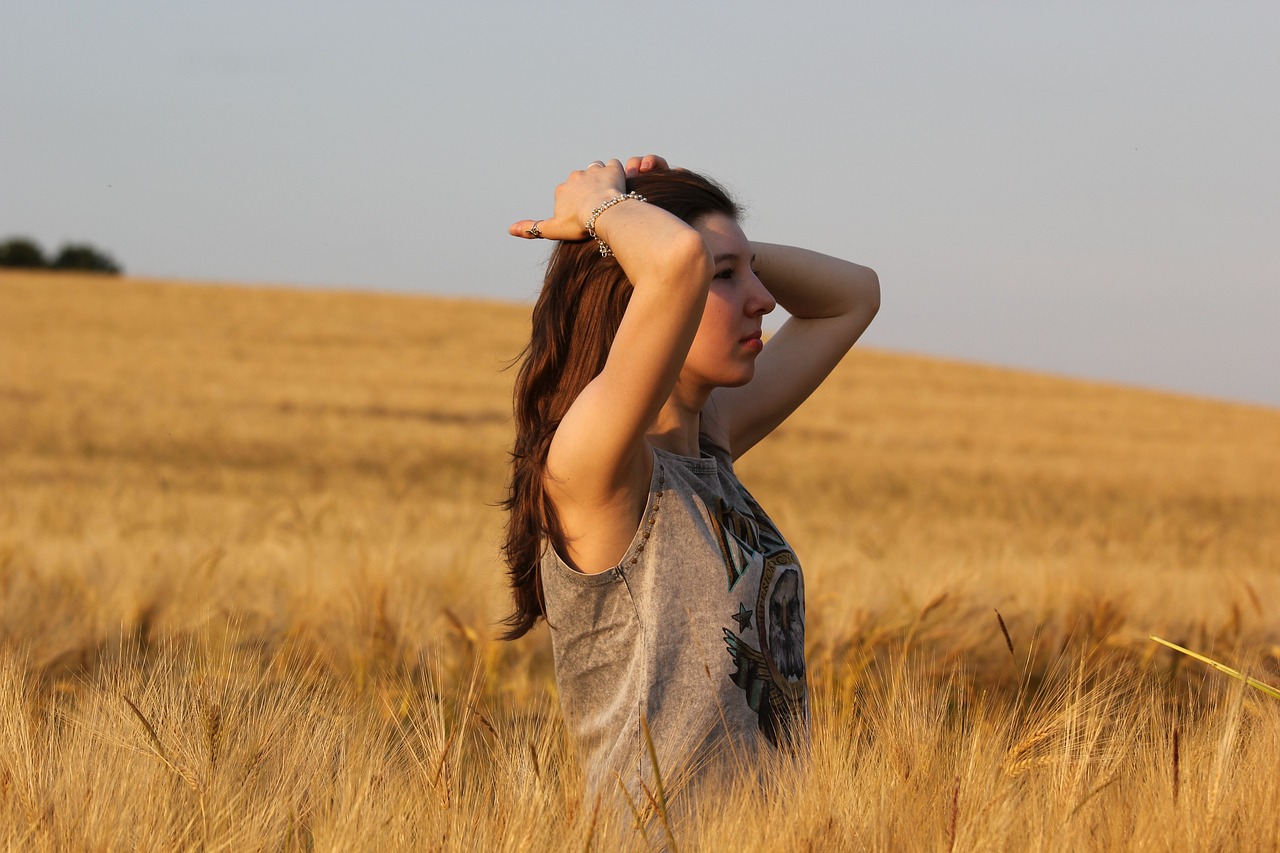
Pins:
<point x="728" y="340"/>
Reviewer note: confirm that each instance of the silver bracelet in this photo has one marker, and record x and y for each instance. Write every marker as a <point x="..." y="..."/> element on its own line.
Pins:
<point x="605" y="251"/>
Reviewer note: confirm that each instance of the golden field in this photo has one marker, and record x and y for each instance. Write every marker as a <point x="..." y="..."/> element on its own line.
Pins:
<point x="249" y="577"/>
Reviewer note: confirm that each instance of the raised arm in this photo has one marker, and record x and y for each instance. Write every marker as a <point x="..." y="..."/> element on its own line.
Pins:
<point x="598" y="463"/>
<point x="831" y="303"/>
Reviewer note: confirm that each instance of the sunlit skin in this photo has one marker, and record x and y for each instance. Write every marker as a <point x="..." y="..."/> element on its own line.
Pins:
<point x="723" y="353"/>
<point x="729" y="336"/>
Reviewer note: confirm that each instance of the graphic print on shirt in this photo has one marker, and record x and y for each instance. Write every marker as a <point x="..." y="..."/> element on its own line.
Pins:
<point x="739" y="538"/>
<point x="770" y="672"/>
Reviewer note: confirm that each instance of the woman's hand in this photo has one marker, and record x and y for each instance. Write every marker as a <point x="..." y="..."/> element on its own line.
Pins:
<point x="581" y="193"/>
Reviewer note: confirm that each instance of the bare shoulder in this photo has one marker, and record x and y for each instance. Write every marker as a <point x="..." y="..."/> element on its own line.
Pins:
<point x="598" y="514"/>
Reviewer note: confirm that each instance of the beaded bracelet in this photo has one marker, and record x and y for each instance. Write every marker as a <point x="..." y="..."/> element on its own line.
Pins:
<point x="605" y="251"/>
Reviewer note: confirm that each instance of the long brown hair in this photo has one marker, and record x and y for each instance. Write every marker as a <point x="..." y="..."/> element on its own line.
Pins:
<point x="574" y="320"/>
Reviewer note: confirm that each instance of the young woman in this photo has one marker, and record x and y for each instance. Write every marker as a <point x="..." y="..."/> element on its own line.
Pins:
<point x="675" y="606"/>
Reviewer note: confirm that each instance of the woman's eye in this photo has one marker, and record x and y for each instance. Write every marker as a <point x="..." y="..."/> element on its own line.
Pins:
<point x="726" y="274"/>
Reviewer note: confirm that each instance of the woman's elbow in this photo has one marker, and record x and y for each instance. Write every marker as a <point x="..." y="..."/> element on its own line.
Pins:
<point x="688" y="261"/>
<point x="872" y="291"/>
<point x="692" y="252"/>
<point x="865" y="293"/>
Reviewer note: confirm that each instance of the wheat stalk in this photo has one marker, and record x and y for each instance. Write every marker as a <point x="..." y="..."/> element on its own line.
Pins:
<point x="661" y="800"/>
<point x="1252" y="682"/>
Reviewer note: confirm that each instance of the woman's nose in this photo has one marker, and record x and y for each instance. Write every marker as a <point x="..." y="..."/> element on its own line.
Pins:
<point x="761" y="301"/>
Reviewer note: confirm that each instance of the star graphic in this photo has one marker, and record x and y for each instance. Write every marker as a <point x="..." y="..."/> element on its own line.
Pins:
<point x="743" y="616"/>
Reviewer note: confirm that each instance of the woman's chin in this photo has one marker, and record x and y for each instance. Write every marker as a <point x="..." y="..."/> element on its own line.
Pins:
<point x="739" y="380"/>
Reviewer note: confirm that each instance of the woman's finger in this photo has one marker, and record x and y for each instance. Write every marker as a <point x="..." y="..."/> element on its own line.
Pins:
<point x="609" y="167"/>
<point x="645" y="163"/>
<point x="527" y="228"/>
<point x="551" y="228"/>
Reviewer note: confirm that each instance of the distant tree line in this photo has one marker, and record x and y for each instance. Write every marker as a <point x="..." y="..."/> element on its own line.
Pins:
<point x="22" y="253"/>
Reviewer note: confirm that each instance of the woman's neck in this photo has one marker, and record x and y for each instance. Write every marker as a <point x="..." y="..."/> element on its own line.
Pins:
<point x="678" y="423"/>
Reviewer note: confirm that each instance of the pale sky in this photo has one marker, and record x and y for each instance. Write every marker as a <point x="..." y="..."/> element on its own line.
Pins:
<point x="1082" y="188"/>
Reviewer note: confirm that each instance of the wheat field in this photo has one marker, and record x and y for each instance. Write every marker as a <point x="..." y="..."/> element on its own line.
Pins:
<point x="249" y="581"/>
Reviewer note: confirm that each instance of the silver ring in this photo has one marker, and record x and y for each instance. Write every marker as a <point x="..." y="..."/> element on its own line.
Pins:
<point x="594" y="163"/>
<point x="533" y="231"/>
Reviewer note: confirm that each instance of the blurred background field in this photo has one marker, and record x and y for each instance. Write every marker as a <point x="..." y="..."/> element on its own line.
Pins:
<point x="249" y="578"/>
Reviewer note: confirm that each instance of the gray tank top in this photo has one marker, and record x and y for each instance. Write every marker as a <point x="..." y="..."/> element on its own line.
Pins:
<point x="698" y="631"/>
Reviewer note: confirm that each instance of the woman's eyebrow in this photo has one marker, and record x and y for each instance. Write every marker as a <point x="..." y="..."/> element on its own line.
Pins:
<point x="730" y="256"/>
